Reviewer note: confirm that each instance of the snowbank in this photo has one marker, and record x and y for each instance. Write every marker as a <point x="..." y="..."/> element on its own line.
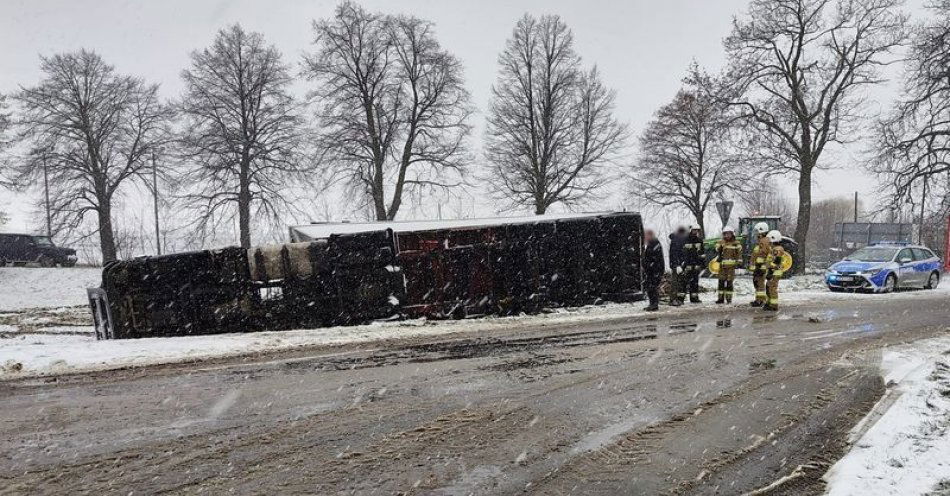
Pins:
<point x="903" y="445"/>
<point x="26" y="287"/>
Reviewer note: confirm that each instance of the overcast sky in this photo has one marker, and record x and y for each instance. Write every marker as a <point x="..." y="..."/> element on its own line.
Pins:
<point x="642" y="47"/>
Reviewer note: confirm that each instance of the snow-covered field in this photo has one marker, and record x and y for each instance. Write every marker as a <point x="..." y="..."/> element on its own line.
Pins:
<point x="25" y="287"/>
<point x="60" y="340"/>
<point x="903" y="445"/>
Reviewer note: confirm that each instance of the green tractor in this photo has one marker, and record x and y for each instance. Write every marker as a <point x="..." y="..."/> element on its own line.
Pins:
<point x="745" y="233"/>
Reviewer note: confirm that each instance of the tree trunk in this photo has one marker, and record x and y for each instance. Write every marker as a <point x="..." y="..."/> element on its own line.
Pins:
<point x="106" y="235"/>
<point x="379" y="192"/>
<point x="244" y="207"/>
<point x="539" y="208"/>
<point x="804" y="212"/>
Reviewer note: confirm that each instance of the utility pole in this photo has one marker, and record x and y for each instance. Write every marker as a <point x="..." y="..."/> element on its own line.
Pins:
<point x="923" y="201"/>
<point x="855" y="207"/>
<point x="49" y="216"/>
<point x="158" y="236"/>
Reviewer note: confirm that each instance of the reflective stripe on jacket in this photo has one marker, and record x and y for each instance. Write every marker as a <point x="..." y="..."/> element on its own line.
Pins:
<point x="761" y="254"/>
<point x="730" y="253"/>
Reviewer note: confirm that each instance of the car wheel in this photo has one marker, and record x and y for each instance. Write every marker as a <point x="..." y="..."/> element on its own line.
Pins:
<point x="933" y="281"/>
<point x="889" y="284"/>
<point x="3" y="263"/>
<point x="46" y="262"/>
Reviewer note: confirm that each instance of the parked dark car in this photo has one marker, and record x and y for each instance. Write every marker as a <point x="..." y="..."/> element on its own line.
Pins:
<point x="18" y="248"/>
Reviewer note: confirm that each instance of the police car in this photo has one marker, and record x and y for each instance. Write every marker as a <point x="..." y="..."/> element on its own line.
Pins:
<point x="885" y="267"/>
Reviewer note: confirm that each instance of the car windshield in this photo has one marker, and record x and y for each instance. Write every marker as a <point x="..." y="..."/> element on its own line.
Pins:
<point x="43" y="241"/>
<point x="873" y="254"/>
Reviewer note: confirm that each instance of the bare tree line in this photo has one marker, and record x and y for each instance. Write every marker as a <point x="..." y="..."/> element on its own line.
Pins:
<point x="794" y="87"/>
<point x="387" y="114"/>
<point x="913" y="140"/>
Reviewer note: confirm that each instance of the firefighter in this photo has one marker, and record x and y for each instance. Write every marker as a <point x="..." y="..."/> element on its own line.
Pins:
<point x="758" y="263"/>
<point x="653" y="269"/>
<point x="775" y="272"/>
<point x="678" y="266"/>
<point x="695" y="261"/>
<point x="729" y="252"/>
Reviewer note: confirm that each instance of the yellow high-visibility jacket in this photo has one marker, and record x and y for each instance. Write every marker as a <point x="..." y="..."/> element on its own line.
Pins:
<point x="730" y="253"/>
<point x="760" y="254"/>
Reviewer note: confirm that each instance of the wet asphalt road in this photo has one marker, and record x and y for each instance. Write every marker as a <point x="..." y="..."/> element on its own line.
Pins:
<point x="721" y="402"/>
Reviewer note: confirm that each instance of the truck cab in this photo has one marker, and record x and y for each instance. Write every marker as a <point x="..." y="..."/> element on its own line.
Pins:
<point x="20" y="248"/>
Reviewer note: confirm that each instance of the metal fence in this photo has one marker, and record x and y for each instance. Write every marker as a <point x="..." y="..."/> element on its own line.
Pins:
<point x="854" y="235"/>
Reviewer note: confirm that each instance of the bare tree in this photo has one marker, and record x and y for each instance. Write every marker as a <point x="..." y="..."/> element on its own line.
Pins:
<point x="393" y="107"/>
<point x="92" y="129"/>
<point x="688" y="153"/>
<point x="800" y="69"/>
<point x="825" y="214"/>
<point x="913" y="142"/>
<point x="551" y="128"/>
<point x="766" y="198"/>
<point x="242" y="132"/>
<point x="5" y="125"/>
<point x="4" y="121"/>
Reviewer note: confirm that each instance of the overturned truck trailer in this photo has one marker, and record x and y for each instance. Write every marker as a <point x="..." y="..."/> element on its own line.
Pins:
<point x="339" y="274"/>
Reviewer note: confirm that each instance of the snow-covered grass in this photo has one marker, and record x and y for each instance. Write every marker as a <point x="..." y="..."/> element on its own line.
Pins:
<point x="903" y="445"/>
<point x="27" y="287"/>
<point x="58" y="340"/>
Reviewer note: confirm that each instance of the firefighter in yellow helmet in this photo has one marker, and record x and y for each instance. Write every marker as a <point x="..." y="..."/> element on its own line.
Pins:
<point x="729" y="252"/>
<point x="775" y="271"/>
<point x="758" y="263"/>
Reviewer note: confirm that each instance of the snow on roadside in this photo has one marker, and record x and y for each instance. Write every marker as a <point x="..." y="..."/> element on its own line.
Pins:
<point x="28" y="287"/>
<point x="906" y="448"/>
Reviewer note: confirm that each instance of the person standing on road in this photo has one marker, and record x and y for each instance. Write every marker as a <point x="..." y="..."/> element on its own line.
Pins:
<point x="695" y="261"/>
<point x="775" y="270"/>
<point x="653" y="269"/>
<point x="758" y="263"/>
<point x="729" y="252"/>
<point x="678" y="266"/>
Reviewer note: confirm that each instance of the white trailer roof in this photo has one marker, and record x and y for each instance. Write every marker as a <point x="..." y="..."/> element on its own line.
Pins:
<point x="307" y="232"/>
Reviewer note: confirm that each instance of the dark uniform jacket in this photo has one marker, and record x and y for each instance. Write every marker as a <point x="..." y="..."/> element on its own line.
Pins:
<point x="653" y="266"/>
<point x="693" y="251"/>
<point x="677" y="254"/>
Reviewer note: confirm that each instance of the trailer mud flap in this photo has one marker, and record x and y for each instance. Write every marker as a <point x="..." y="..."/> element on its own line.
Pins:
<point x="101" y="313"/>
